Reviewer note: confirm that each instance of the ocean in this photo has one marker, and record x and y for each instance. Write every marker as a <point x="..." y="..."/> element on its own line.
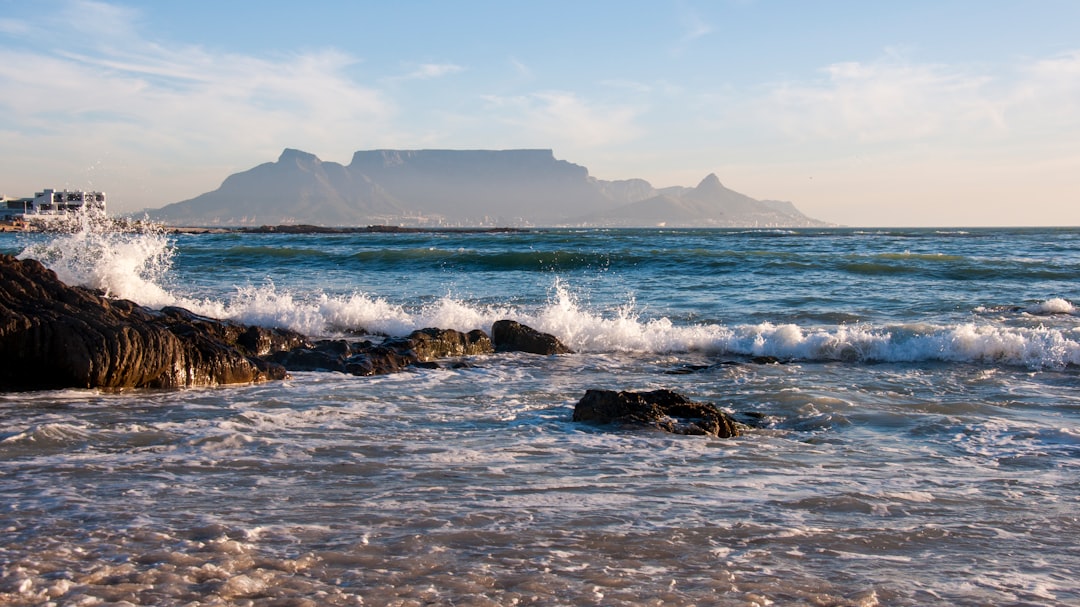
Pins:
<point x="918" y="442"/>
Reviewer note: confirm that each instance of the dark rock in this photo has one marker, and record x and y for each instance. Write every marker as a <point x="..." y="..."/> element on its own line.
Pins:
<point x="512" y="336"/>
<point x="662" y="409"/>
<point x="419" y="349"/>
<point x="765" y="360"/>
<point x="691" y="369"/>
<point x="687" y="369"/>
<point x="252" y="341"/>
<point x="56" y="336"/>
<point x="379" y="360"/>
<point x="309" y="359"/>
<point x="430" y="344"/>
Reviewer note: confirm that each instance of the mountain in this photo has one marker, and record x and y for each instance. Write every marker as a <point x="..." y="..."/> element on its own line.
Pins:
<point x="710" y="204"/>
<point x="464" y="188"/>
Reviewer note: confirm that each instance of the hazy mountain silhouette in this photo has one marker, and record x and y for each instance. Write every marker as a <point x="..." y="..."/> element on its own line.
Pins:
<point x="464" y="188"/>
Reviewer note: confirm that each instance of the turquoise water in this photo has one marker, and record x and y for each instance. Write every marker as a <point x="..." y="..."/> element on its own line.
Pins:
<point x="920" y="443"/>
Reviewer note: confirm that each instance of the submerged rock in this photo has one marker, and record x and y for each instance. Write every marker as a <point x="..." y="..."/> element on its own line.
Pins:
<point x="663" y="409"/>
<point x="57" y="336"/>
<point x="512" y="336"/>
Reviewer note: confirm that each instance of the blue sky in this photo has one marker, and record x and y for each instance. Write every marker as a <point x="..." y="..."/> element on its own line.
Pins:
<point x="963" y="113"/>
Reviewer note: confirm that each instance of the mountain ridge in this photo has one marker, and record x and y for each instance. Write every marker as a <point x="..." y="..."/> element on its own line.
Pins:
<point x="467" y="188"/>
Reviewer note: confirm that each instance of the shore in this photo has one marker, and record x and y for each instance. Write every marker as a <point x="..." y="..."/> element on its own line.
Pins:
<point x="313" y="229"/>
<point x="25" y="226"/>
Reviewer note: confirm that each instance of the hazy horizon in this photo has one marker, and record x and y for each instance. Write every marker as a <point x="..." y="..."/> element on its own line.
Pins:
<point x="865" y="115"/>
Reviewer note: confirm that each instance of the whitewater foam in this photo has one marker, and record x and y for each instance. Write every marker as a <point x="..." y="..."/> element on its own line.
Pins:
<point x="1056" y="305"/>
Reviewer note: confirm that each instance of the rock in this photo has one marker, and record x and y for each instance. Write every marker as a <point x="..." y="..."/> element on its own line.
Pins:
<point x="253" y="341"/>
<point x="662" y="409"/>
<point x="56" y="336"/>
<point x="512" y="336"/>
<point x="430" y="344"/>
<point x="310" y="359"/>
<point x="419" y="349"/>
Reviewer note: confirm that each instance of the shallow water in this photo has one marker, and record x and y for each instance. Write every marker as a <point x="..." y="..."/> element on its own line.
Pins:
<point x="920" y="444"/>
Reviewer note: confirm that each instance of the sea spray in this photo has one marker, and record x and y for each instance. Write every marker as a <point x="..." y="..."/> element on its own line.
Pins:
<point x="126" y="261"/>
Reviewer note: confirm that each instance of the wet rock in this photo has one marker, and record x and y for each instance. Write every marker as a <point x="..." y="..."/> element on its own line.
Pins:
<point x="512" y="336"/>
<point x="688" y="369"/>
<point x="420" y="349"/>
<point x="56" y="336"/>
<point x="322" y="355"/>
<point x="252" y="340"/>
<point x="430" y="344"/>
<point x="663" y="409"/>
<point x="691" y="369"/>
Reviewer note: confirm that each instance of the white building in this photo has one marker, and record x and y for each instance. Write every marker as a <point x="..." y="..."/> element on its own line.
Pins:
<point x="52" y="202"/>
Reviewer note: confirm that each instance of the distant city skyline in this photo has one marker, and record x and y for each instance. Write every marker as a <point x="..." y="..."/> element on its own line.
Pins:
<point x="921" y="113"/>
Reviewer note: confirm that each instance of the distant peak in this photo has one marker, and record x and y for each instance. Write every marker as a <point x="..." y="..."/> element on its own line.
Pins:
<point x="711" y="182"/>
<point x="297" y="155"/>
<point x="711" y="185"/>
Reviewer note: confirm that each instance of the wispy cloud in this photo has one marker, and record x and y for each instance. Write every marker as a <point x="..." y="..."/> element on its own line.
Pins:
<point x="882" y="102"/>
<point x="428" y="71"/>
<point x="143" y="103"/>
<point x="693" y="27"/>
<point x="182" y="94"/>
<point x="564" y="118"/>
<point x="1049" y="90"/>
<point x="14" y="27"/>
<point x="523" y="71"/>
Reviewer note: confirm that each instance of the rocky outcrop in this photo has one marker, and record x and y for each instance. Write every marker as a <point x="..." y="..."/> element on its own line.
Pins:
<point x="512" y="336"/>
<point x="663" y="409"/>
<point x="56" y="336"/>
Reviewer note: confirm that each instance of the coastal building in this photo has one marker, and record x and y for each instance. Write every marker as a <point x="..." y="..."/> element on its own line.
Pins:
<point x="50" y="203"/>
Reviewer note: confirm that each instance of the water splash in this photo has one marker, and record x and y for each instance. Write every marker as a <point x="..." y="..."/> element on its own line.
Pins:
<point x="126" y="260"/>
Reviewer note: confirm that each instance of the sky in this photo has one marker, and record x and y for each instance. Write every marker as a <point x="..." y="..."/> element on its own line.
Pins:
<point x="914" y="113"/>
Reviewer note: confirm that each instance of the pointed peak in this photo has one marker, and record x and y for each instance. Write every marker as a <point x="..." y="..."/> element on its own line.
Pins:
<point x="711" y="182"/>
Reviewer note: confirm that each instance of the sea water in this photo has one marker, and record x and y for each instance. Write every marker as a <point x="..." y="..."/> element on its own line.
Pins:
<point x="917" y="444"/>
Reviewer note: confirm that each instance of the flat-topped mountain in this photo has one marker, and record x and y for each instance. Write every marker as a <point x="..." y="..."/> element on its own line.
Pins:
<point x="464" y="188"/>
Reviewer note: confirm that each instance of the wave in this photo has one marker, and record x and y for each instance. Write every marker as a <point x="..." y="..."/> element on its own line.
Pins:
<point x="136" y="266"/>
<point x="465" y="259"/>
<point x="1053" y="306"/>
<point x="623" y="331"/>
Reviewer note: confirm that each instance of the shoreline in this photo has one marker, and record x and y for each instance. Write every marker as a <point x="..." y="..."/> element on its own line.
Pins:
<point x="314" y="229"/>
